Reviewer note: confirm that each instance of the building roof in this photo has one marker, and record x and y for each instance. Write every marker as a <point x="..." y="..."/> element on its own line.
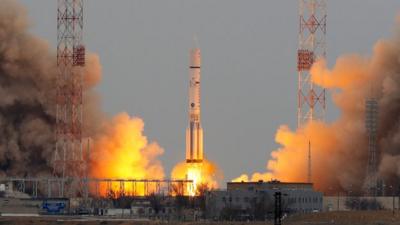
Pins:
<point x="269" y="182"/>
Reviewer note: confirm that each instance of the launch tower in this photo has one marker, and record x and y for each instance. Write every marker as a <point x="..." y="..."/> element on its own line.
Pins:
<point x="311" y="99"/>
<point x="371" y="121"/>
<point x="68" y="158"/>
<point x="312" y="45"/>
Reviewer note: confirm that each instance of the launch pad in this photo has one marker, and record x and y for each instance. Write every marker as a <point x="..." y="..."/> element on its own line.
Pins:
<point x="51" y="187"/>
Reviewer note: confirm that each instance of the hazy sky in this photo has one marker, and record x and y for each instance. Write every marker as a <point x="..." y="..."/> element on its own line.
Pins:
<point x="249" y="79"/>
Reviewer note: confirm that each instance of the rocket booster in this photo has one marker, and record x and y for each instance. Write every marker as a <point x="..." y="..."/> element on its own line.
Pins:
<point x="194" y="133"/>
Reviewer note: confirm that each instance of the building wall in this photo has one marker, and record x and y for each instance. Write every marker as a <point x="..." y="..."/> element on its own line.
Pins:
<point x="20" y="206"/>
<point x="293" y="201"/>
<point x="303" y="200"/>
<point x="338" y="203"/>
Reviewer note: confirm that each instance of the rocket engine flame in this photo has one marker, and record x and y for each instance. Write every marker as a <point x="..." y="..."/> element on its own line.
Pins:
<point x="202" y="174"/>
<point x="339" y="148"/>
<point x="122" y="151"/>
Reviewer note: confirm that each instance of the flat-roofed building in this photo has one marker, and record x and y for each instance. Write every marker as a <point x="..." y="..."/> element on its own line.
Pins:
<point x="269" y="185"/>
<point x="247" y="199"/>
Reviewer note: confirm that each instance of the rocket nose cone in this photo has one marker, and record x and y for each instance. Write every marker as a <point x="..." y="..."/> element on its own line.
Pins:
<point x="195" y="57"/>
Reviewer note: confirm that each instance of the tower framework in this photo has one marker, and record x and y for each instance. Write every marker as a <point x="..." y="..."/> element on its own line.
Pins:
<point x="309" y="171"/>
<point x="371" y="121"/>
<point x="68" y="158"/>
<point x="312" y="46"/>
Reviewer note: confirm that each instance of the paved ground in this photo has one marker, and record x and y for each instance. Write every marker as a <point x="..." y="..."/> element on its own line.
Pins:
<point x="347" y="218"/>
<point x="332" y="218"/>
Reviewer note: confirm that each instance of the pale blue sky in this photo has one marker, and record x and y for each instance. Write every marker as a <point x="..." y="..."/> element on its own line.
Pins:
<point x="249" y="77"/>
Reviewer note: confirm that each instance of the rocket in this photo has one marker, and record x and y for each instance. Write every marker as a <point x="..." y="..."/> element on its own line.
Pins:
<point x="194" y="132"/>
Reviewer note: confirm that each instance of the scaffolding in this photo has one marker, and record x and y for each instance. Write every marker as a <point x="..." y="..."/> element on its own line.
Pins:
<point x="371" y="121"/>
<point x="51" y="187"/>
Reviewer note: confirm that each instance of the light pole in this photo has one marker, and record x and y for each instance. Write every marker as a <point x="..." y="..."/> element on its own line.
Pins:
<point x="278" y="207"/>
<point x="398" y="198"/>
<point x="350" y="197"/>
<point x="338" y="199"/>
<point x="331" y="193"/>
<point x="391" y="187"/>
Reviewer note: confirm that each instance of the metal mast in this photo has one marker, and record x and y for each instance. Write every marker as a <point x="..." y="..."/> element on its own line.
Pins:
<point x="309" y="174"/>
<point x="312" y="46"/>
<point x="371" y="121"/>
<point x="68" y="158"/>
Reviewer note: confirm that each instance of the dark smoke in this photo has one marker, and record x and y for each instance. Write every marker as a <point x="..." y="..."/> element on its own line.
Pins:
<point x="27" y="77"/>
<point x="28" y="73"/>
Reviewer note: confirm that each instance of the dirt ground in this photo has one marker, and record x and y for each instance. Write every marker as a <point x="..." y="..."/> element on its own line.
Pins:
<point x="331" y="218"/>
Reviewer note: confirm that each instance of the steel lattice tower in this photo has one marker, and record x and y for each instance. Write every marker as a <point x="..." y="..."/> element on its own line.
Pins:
<point x="312" y="46"/>
<point x="371" y="121"/>
<point x="68" y="158"/>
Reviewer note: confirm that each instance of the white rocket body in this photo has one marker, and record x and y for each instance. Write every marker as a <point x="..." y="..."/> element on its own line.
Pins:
<point x="194" y="133"/>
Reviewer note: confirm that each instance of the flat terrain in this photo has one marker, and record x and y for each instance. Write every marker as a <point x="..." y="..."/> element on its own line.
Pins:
<point x="347" y="218"/>
<point x="333" y="218"/>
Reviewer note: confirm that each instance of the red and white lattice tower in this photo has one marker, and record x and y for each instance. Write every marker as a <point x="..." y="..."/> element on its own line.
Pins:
<point x="68" y="158"/>
<point x="312" y="46"/>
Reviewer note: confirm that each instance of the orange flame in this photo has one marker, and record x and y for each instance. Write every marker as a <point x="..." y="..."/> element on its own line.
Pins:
<point x="122" y="151"/>
<point x="202" y="174"/>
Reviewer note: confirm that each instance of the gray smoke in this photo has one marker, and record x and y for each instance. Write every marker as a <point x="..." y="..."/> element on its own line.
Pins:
<point x="27" y="77"/>
<point x="28" y="73"/>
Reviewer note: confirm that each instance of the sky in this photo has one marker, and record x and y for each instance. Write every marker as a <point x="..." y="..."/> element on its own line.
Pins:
<point x="249" y="78"/>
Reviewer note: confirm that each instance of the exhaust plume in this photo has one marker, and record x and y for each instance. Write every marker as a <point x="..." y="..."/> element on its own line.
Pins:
<point x="205" y="174"/>
<point x="339" y="149"/>
<point x="122" y="151"/>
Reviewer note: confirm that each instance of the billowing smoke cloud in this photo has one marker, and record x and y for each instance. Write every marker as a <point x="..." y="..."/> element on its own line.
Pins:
<point x="123" y="152"/>
<point x="27" y="77"/>
<point x="339" y="149"/>
<point x="28" y="73"/>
